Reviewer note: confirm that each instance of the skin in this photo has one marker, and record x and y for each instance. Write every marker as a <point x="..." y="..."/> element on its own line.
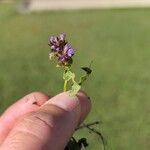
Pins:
<point x="39" y="122"/>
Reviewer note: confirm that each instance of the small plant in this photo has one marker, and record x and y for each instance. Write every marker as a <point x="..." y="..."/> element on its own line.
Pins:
<point x="62" y="52"/>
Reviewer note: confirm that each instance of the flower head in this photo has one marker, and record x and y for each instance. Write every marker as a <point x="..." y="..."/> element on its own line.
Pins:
<point x="61" y="50"/>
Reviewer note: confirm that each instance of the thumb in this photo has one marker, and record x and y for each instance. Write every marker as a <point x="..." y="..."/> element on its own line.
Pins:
<point x="51" y="126"/>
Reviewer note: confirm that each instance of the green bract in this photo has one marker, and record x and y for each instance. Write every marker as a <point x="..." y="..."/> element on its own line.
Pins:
<point x="68" y="75"/>
<point x="74" y="89"/>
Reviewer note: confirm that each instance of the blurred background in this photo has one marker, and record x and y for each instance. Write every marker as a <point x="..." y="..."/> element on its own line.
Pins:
<point x="116" y="39"/>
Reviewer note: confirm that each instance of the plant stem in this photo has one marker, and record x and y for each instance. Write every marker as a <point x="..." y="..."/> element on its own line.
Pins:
<point x="65" y="81"/>
<point x="65" y="85"/>
<point x="88" y="125"/>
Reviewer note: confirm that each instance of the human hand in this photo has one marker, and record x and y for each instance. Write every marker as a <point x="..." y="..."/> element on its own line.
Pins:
<point x="38" y="122"/>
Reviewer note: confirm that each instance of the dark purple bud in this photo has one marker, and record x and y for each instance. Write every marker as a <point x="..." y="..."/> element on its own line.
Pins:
<point x="62" y="59"/>
<point x="70" y="52"/>
<point x="53" y="39"/>
<point x="53" y="47"/>
<point x="57" y="49"/>
<point x="62" y="37"/>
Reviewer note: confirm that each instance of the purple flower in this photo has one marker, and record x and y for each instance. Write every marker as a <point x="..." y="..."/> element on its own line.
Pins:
<point x="53" y="40"/>
<point x="62" y="37"/>
<point x="53" y="47"/>
<point x="66" y="47"/>
<point x="57" y="49"/>
<point x="70" y="52"/>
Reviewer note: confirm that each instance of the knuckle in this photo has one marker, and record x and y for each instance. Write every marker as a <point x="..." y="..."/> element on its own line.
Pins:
<point x="35" y="124"/>
<point x="36" y="97"/>
<point x="37" y="119"/>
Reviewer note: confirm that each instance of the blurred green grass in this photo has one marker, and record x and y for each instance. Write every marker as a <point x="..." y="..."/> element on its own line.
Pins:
<point x="117" y="41"/>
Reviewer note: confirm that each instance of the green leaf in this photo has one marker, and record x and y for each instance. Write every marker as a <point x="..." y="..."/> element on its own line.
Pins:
<point x="82" y="79"/>
<point x="75" y="88"/>
<point x="87" y="70"/>
<point x="68" y="75"/>
<point x="72" y="145"/>
<point x="83" y="142"/>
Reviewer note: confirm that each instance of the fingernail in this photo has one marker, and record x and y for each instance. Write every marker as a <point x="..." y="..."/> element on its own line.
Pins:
<point x="85" y="103"/>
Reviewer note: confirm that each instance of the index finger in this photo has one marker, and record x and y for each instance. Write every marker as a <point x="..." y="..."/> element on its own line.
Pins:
<point x="29" y="103"/>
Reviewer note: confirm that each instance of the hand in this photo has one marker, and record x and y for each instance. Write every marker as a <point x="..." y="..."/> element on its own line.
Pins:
<point x="38" y="122"/>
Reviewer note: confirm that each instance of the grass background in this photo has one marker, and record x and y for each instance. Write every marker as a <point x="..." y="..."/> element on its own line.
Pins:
<point x="117" y="41"/>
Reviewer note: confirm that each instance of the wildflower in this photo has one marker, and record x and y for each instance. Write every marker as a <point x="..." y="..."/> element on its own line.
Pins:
<point x="61" y="50"/>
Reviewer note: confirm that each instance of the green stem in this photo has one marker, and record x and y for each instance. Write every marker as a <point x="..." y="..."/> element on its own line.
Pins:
<point x="65" y="82"/>
<point x="65" y="85"/>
